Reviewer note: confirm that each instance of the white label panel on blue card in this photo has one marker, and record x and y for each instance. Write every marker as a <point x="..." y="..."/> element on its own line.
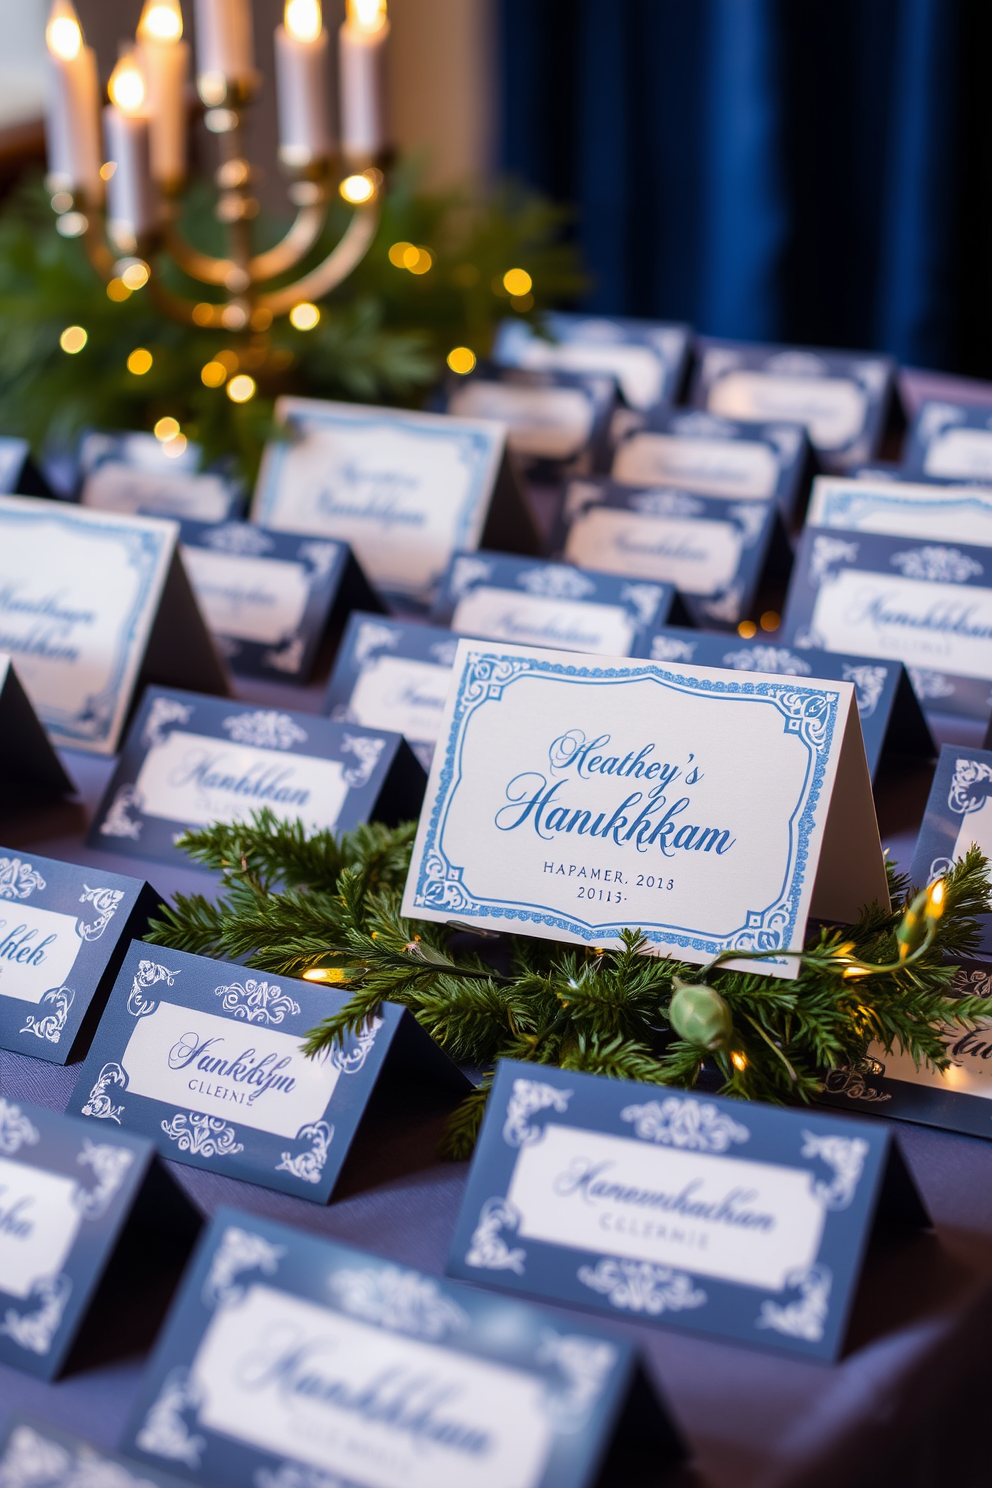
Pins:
<point x="39" y="1220"/>
<point x="119" y="487"/>
<point x="553" y="423"/>
<point x="717" y="467"/>
<point x="832" y="408"/>
<point x="960" y="454"/>
<point x="296" y="1379"/>
<point x="923" y="623"/>
<point x="37" y="950"/>
<point x="215" y="1065"/>
<point x="639" y="370"/>
<point x="531" y="620"/>
<point x="401" y="694"/>
<point x="697" y="556"/>
<point x="748" y="1222"/>
<point x="252" y="599"/>
<point x="902" y="509"/>
<point x="195" y="779"/>
<point x="975" y="829"/>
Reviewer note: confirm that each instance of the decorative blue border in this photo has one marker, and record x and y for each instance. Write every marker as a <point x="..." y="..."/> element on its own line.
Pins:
<point x="934" y="419"/>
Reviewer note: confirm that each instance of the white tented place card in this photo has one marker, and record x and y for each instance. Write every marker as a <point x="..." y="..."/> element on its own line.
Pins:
<point x="927" y="604"/>
<point x="529" y="602"/>
<point x="950" y="442"/>
<point x="404" y="489"/>
<point x="271" y="598"/>
<point x="18" y="473"/>
<point x="190" y="761"/>
<point x="296" y="1361"/>
<point x="573" y="796"/>
<point x="205" y="1058"/>
<point x="91" y="606"/>
<point x="646" y="357"/>
<point x="27" y="758"/>
<point x="903" y="509"/>
<point x="36" y="1454"/>
<point x="722" y="1217"/>
<point x="137" y="473"/>
<point x="842" y="398"/>
<point x="557" y="422"/>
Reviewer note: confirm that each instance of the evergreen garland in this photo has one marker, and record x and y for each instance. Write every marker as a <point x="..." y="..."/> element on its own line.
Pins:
<point x="291" y="903"/>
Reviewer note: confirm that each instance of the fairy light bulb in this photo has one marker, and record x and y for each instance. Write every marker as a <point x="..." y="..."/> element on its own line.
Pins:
<point x="302" y="19"/>
<point x="127" y="86"/>
<point x="161" y="20"/>
<point x="63" y="34"/>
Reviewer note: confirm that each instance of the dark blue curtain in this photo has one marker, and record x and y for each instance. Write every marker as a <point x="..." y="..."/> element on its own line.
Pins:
<point x="798" y="170"/>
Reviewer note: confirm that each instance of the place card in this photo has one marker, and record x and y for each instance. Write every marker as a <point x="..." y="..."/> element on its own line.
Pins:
<point x="137" y="473"/>
<point x="67" y="1195"/>
<point x="189" y="761"/>
<point x="892" y="721"/>
<point x="902" y="508"/>
<point x="18" y="473"/>
<point x="27" y="759"/>
<point x="63" y="934"/>
<point x="572" y="796"/>
<point x="714" y="551"/>
<point x="557" y="423"/>
<point x="926" y="604"/>
<point x="950" y="442"/>
<point x="405" y="490"/>
<point x="205" y="1059"/>
<point x="648" y="358"/>
<point x="92" y="606"/>
<point x="695" y="451"/>
<point x="289" y="1359"/>
<point x="35" y="1454"/>
<point x="529" y="602"/>
<point x="271" y="598"/>
<point x="842" y="398"/>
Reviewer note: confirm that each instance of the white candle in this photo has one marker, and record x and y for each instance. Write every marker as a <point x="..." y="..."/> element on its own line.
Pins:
<point x="361" y="59"/>
<point x="131" y="201"/>
<point x="165" y="63"/>
<point x="301" y="85"/>
<point x="225" y="50"/>
<point x="72" y="123"/>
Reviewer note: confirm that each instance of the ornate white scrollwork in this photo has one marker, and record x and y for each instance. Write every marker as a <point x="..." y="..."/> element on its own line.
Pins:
<point x="287" y="658"/>
<point x="666" y="504"/>
<point x="240" y="538"/>
<point x="972" y="983"/>
<point x="320" y="555"/>
<point x="929" y="685"/>
<point x="970" y="787"/>
<point x="371" y="637"/>
<point x="257" y="1002"/>
<point x="99" y="1103"/>
<point x="18" y="880"/>
<point x="147" y="975"/>
<point x="202" y="1136"/>
<point x="32" y="1461"/>
<point x="829" y="554"/>
<point x="117" y="822"/>
<point x="556" y="581"/>
<point x="350" y="1062"/>
<point x="264" y="729"/>
<point x="164" y="1432"/>
<point x="806" y="1317"/>
<point x="164" y="713"/>
<point x="309" y="1165"/>
<point x="35" y="1329"/>
<point x="443" y="652"/>
<point x="466" y="573"/>
<point x="16" y="1131"/>
<point x="584" y="1364"/>
<point x="936" y="564"/>
<point x="239" y="1250"/>
<point x="366" y="751"/>
<point x="868" y="682"/>
<point x="398" y="1299"/>
<point x="110" y="1165"/>
<point x="768" y="659"/>
<point x="726" y="606"/>
<point x="666" y="648"/>
<point x="752" y="516"/>
<point x="52" y="1025"/>
<point x="294" y="1475"/>
<point x="641" y="1286"/>
<point x="683" y="1121"/>
<point x="645" y="599"/>
<point x="487" y="1248"/>
<point x="846" y="1156"/>
<point x="529" y="1097"/>
<point x="106" y="903"/>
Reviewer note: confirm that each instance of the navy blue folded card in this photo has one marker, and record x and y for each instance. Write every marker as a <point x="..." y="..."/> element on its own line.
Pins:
<point x="723" y="1217"/>
<point x="950" y="442"/>
<point x="63" y="934"/>
<point x="191" y="760"/>
<point x="926" y="604"/>
<point x="67" y="1194"/>
<point x="841" y="397"/>
<point x="648" y="358"/>
<point x="270" y="598"/>
<point x="696" y="451"/>
<point x="291" y="1360"/>
<point x="529" y="602"/>
<point x="35" y="1454"/>
<point x="19" y="475"/>
<point x="140" y="474"/>
<point x="27" y="758"/>
<point x="205" y="1058"/>
<point x="713" y="551"/>
<point x="557" y="423"/>
<point x="892" y="721"/>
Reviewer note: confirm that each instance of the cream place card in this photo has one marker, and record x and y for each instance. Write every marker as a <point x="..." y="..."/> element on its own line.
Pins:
<point x="91" y="606"/>
<point x="404" y="489"/>
<point x="647" y="357"/>
<point x="950" y="442"/>
<point x="557" y="422"/>
<point x="139" y="474"/>
<point x="572" y="796"/>
<point x="903" y="508"/>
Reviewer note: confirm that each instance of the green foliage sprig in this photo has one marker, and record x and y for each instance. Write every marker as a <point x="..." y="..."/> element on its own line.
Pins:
<point x="291" y="902"/>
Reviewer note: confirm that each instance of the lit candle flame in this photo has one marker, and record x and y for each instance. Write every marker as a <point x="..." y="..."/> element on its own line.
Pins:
<point x="127" y="86"/>
<point x="161" y="20"/>
<point x="63" y="33"/>
<point x="367" y="15"/>
<point x="302" y="19"/>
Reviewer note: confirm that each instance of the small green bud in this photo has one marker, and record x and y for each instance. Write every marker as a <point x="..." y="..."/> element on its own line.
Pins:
<point x="699" y="1015"/>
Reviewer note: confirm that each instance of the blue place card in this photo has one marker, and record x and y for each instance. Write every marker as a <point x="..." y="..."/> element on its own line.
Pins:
<point x="529" y="602"/>
<point x="903" y="509"/>
<point x="405" y="490"/>
<point x="892" y="721"/>
<point x="190" y="760"/>
<point x="67" y="1194"/>
<point x="18" y="473"/>
<point x="270" y="598"/>
<point x="90" y="605"/>
<point x="558" y="423"/>
<point x="572" y="796"/>
<point x="842" y="398"/>
<point x="35" y="1454"/>
<point x="63" y="934"/>
<point x="289" y="1359"/>
<point x="694" y="451"/>
<point x="648" y="358"/>
<point x="27" y="758"/>
<point x="714" y="551"/>
<point x="717" y="1216"/>
<point x="950" y="442"/>
<point x="137" y="473"/>
<point x="205" y="1059"/>
<point x="926" y="604"/>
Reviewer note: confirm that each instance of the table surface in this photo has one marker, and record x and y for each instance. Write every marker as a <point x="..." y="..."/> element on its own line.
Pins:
<point x="897" y="1409"/>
